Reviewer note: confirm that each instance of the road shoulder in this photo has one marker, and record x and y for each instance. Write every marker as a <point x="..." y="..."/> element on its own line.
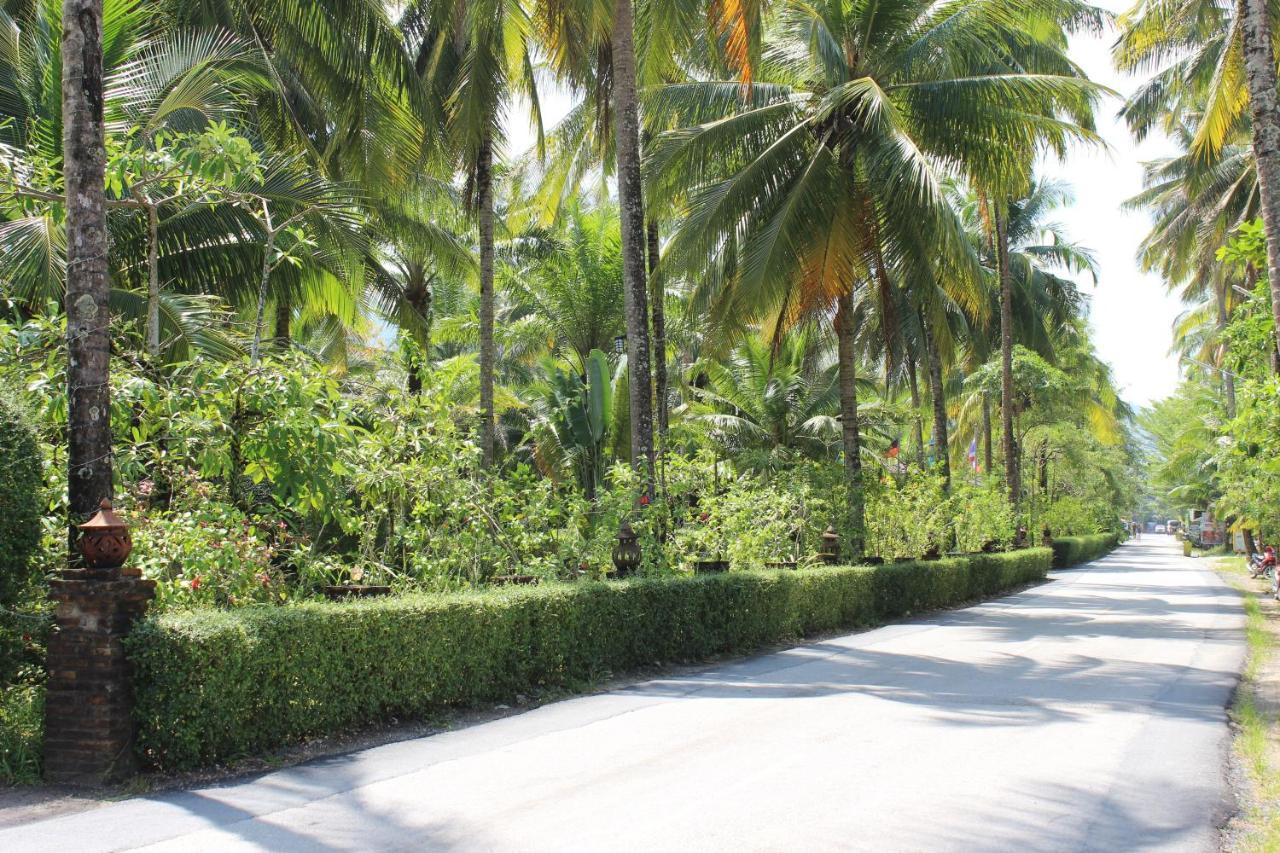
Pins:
<point x="1254" y="764"/>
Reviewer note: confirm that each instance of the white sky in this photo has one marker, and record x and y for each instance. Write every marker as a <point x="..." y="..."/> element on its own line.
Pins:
<point x="1132" y="315"/>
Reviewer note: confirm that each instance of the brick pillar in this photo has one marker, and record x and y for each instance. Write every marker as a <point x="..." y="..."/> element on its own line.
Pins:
<point x="89" y="699"/>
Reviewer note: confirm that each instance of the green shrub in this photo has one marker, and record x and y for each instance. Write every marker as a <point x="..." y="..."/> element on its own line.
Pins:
<point x="214" y="685"/>
<point x="1071" y="550"/>
<point x="907" y="518"/>
<point x="21" y="502"/>
<point x="980" y="514"/>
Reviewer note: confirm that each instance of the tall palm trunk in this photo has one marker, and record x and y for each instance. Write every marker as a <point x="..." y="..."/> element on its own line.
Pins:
<point x="88" y="333"/>
<point x="418" y="295"/>
<point x="917" y="426"/>
<point x="484" y="205"/>
<point x="986" y="432"/>
<point x="1012" y="476"/>
<point x="1228" y="378"/>
<point x="284" y="321"/>
<point x="850" y="438"/>
<point x="1260" y="70"/>
<point x="631" y="204"/>
<point x="153" y="282"/>
<point x="938" y="394"/>
<point x="658" y="309"/>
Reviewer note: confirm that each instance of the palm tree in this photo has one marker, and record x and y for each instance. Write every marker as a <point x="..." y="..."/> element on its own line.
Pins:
<point x="817" y="180"/>
<point x="772" y="406"/>
<point x="596" y="52"/>
<point x="1211" y="59"/>
<point x="473" y="57"/>
<point x="421" y="244"/>
<point x="575" y="291"/>
<point x="186" y="189"/>
<point x="88" y="291"/>
<point x="1195" y="206"/>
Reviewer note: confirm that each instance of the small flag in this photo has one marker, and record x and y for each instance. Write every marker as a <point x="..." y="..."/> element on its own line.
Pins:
<point x="892" y="452"/>
<point x="973" y="453"/>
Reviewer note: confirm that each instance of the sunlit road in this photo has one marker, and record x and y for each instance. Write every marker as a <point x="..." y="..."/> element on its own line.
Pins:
<point x="1084" y="714"/>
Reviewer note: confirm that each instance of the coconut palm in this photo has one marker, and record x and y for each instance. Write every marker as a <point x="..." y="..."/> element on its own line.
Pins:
<point x="88" y="313"/>
<point x="1211" y="59"/>
<point x="824" y="175"/>
<point x="473" y="57"/>
<point x="1195" y="206"/>
<point x="593" y="49"/>
<point x="772" y="406"/>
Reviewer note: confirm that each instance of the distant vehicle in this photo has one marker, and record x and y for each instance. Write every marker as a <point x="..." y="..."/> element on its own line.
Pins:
<point x="1204" y="531"/>
<point x="1173" y="525"/>
<point x="1160" y="528"/>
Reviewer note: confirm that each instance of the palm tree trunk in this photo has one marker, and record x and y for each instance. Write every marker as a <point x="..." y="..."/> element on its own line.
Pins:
<point x="1011" y="474"/>
<point x="917" y="426"/>
<point x="986" y="432"/>
<point x="418" y="295"/>
<point x="153" y="282"/>
<point x="284" y="318"/>
<point x="631" y="209"/>
<point x="938" y="393"/>
<point x="658" y="309"/>
<point x="484" y="204"/>
<point x="1228" y="378"/>
<point x="88" y="332"/>
<point x="264" y="281"/>
<point x="850" y="438"/>
<point x="1260" y="71"/>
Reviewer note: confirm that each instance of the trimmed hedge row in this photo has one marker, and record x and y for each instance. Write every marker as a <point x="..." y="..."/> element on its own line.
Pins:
<point x="1070" y="550"/>
<point x="212" y="686"/>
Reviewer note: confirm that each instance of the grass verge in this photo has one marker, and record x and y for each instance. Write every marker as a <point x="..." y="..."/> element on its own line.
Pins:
<point x="1256" y="716"/>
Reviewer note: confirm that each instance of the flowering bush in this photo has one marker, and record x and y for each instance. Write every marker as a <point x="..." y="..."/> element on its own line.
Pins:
<point x="212" y="555"/>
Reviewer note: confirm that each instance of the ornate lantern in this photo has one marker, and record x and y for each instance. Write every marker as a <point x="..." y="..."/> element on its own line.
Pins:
<point x="830" y="552"/>
<point x="104" y="539"/>
<point x="626" y="554"/>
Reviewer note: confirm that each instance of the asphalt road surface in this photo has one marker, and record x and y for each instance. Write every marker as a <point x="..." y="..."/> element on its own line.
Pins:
<point x="1083" y="714"/>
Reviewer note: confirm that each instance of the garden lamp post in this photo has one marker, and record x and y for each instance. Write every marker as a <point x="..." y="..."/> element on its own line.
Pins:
<point x="626" y="554"/>
<point x="88" y="707"/>
<point x="830" y="552"/>
<point x="104" y="539"/>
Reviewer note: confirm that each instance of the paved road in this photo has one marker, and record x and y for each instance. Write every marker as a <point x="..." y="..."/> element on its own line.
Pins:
<point x="1084" y="714"/>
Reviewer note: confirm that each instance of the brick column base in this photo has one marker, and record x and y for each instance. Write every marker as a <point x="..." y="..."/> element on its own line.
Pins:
<point x="88" y="712"/>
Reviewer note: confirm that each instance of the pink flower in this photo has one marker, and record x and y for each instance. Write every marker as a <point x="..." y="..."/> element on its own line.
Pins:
<point x="146" y="487"/>
<point x="195" y="583"/>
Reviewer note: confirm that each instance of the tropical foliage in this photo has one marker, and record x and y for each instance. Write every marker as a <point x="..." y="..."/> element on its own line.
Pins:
<point x="776" y="274"/>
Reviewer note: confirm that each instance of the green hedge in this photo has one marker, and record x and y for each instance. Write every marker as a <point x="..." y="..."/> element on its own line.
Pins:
<point x="216" y="685"/>
<point x="22" y="502"/>
<point x="1070" y="550"/>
